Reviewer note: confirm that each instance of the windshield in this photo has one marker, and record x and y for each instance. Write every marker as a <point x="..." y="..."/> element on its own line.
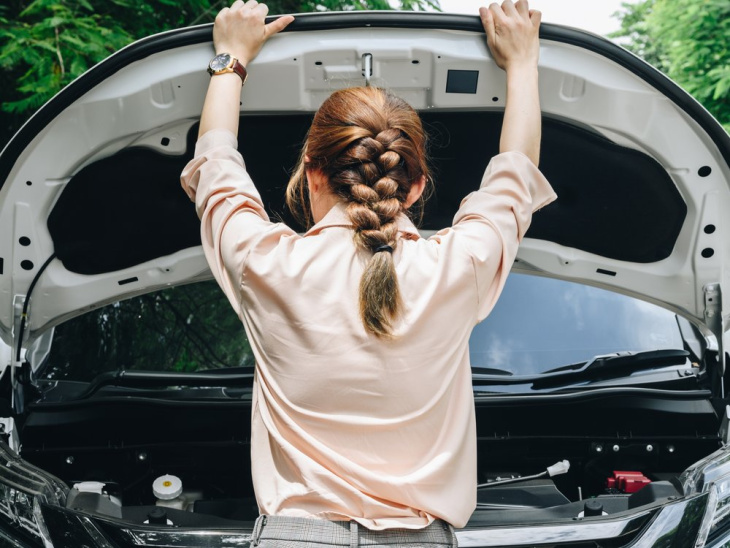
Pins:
<point x="537" y="325"/>
<point x="182" y="329"/>
<point x="540" y="323"/>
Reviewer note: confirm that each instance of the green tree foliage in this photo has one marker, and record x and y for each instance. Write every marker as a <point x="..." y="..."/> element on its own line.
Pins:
<point x="180" y="329"/>
<point x="54" y="41"/>
<point x="689" y="40"/>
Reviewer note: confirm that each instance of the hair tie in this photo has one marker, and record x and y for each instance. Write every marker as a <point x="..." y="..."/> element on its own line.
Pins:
<point x="383" y="247"/>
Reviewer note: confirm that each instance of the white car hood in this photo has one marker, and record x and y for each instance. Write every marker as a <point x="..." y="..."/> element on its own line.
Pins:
<point x="645" y="218"/>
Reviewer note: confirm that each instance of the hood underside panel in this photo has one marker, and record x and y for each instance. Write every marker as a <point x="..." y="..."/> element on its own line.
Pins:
<point x="614" y="201"/>
<point x="91" y="209"/>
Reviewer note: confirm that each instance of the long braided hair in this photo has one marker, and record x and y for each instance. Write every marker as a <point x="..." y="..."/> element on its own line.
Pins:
<point x="371" y="146"/>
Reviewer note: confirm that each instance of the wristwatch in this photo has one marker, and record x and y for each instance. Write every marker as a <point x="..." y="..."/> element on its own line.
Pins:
<point x="225" y="62"/>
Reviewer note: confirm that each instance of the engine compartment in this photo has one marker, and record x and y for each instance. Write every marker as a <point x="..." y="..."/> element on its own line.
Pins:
<point x="126" y="441"/>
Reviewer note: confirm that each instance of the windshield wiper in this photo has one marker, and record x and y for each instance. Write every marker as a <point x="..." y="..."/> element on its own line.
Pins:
<point x="156" y="379"/>
<point x="614" y="365"/>
<point x="600" y="367"/>
<point x="476" y="370"/>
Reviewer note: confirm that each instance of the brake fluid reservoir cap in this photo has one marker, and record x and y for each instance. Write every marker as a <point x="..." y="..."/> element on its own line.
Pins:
<point x="167" y="487"/>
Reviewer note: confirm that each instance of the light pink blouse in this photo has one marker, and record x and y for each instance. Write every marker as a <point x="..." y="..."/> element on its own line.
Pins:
<point x="344" y="425"/>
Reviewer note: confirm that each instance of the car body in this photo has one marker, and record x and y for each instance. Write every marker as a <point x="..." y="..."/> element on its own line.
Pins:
<point x="607" y="348"/>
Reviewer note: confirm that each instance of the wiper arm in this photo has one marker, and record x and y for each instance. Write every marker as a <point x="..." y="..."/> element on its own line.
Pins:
<point x="491" y="371"/>
<point x="616" y="359"/>
<point x="152" y="379"/>
<point x="597" y="368"/>
<point x="612" y="366"/>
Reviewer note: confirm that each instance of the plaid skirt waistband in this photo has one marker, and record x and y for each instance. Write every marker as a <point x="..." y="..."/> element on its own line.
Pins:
<point x="292" y="532"/>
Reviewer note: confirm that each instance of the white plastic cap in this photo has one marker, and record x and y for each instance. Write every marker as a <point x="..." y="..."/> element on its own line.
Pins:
<point x="90" y="487"/>
<point x="167" y="487"/>
<point x="558" y="468"/>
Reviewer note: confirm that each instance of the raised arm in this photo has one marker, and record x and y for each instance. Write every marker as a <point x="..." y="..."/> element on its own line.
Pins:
<point x="512" y="35"/>
<point x="239" y="31"/>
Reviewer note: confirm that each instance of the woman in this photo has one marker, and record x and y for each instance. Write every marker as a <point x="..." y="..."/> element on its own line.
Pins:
<point x="363" y="418"/>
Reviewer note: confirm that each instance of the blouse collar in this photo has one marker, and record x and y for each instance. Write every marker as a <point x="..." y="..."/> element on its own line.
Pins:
<point x="337" y="216"/>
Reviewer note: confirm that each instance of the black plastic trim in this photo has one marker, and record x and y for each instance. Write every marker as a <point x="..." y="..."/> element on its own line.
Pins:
<point x="145" y="379"/>
<point x="328" y="21"/>
<point x="589" y="394"/>
<point x="485" y="398"/>
<point x="133" y="400"/>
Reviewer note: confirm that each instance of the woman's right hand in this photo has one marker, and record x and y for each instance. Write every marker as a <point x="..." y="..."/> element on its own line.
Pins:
<point x="512" y="33"/>
<point x="241" y="29"/>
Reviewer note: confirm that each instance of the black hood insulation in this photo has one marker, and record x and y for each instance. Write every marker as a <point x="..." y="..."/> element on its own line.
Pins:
<point x="613" y="201"/>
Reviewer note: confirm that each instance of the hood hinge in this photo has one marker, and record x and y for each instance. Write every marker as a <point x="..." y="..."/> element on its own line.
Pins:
<point x="713" y="320"/>
<point x="367" y="67"/>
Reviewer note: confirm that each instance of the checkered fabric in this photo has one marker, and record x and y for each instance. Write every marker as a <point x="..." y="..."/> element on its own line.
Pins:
<point x="290" y="532"/>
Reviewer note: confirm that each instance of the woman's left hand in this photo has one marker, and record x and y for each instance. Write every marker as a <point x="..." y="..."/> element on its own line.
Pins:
<point x="241" y="30"/>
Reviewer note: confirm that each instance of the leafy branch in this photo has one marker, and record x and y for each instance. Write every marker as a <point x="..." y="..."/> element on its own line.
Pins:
<point x="688" y="40"/>
<point x="50" y="44"/>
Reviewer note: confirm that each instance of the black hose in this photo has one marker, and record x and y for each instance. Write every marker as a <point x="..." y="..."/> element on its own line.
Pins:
<point x="24" y="315"/>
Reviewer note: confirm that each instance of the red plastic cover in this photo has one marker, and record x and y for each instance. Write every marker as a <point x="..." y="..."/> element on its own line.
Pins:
<point x="627" y="481"/>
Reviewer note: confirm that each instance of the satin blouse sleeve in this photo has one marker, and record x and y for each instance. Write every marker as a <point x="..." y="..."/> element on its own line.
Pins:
<point x="232" y="215"/>
<point x="492" y="221"/>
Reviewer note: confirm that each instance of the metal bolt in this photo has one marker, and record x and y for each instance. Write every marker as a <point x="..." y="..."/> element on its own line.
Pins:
<point x="650" y="448"/>
<point x="70" y="459"/>
<point x="142" y="456"/>
<point x="599" y="448"/>
<point x="670" y="448"/>
<point x="616" y="448"/>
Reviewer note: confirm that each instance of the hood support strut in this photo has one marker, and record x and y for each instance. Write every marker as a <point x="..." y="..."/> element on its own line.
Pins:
<point x="20" y="311"/>
<point x="713" y="320"/>
<point x="20" y="372"/>
<point x="20" y="323"/>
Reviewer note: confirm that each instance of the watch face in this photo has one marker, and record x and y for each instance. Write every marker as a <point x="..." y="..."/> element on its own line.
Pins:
<point x="219" y="62"/>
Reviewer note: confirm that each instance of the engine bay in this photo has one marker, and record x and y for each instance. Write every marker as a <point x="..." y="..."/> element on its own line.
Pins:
<point x="560" y="456"/>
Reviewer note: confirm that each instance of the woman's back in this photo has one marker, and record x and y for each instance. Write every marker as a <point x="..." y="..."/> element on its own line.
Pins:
<point x="355" y="426"/>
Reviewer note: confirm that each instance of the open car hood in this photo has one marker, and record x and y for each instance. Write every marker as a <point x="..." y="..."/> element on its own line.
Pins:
<point x="91" y="209"/>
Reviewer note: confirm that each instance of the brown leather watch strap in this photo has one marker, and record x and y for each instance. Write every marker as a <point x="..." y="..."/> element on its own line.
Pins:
<point x="239" y="69"/>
